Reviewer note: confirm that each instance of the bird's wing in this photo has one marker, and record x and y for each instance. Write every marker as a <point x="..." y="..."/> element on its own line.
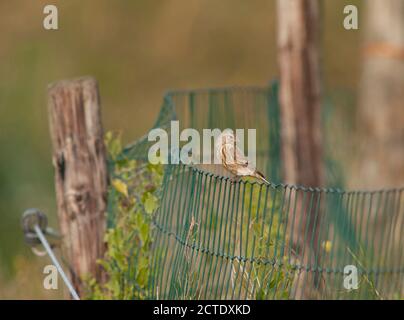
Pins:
<point x="234" y="155"/>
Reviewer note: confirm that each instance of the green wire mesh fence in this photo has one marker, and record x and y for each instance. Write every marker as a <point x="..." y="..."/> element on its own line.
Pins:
<point x="215" y="238"/>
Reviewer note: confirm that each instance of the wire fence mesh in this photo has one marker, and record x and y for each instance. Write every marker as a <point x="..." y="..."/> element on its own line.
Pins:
<point x="215" y="238"/>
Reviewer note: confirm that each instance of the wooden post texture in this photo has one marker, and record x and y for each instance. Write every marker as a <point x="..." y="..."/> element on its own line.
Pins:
<point x="300" y="99"/>
<point x="381" y="99"/>
<point x="81" y="178"/>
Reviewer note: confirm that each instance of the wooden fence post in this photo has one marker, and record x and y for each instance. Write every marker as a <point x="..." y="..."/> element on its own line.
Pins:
<point x="380" y="116"/>
<point x="300" y="99"/>
<point x="81" y="177"/>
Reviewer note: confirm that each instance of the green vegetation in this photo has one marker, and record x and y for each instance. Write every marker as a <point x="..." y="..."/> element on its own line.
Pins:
<point x="271" y="277"/>
<point x="238" y="252"/>
<point x="134" y="197"/>
<point x="134" y="61"/>
<point x="133" y="200"/>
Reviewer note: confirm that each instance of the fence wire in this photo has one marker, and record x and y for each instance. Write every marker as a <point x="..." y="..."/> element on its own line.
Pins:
<point x="219" y="239"/>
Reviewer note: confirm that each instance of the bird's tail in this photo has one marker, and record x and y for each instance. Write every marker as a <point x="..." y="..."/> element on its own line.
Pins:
<point x="259" y="175"/>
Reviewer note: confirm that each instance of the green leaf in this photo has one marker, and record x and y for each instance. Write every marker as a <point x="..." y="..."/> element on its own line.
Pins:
<point x="150" y="204"/>
<point x="142" y="277"/>
<point x="144" y="232"/>
<point x="120" y="186"/>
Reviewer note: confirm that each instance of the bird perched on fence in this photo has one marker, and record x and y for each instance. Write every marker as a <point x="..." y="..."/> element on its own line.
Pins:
<point x="233" y="159"/>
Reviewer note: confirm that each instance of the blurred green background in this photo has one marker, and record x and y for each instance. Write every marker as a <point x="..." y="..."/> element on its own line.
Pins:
<point x="137" y="50"/>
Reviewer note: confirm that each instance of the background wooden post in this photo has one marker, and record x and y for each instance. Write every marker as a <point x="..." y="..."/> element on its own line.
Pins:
<point x="380" y="117"/>
<point x="381" y="97"/>
<point x="81" y="177"/>
<point x="300" y="99"/>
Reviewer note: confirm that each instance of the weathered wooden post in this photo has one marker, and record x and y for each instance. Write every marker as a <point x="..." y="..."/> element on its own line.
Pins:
<point x="300" y="99"/>
<point x="81" y="178"/>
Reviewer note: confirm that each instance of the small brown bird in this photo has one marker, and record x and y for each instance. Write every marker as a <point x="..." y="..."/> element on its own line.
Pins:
<point x="233" y="160"/>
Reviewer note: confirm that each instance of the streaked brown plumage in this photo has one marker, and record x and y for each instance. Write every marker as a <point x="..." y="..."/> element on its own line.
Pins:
<point x="232" y="159"/>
